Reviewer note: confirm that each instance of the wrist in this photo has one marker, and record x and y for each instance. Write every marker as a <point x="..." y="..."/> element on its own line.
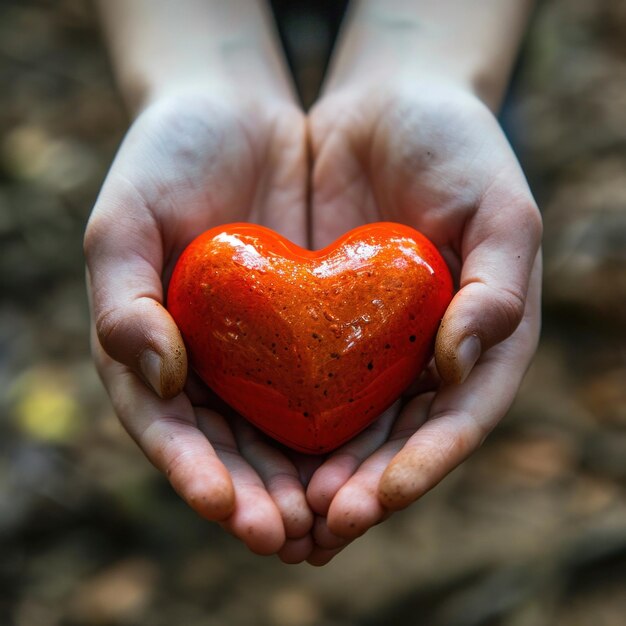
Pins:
<point x="233" y="66"/>
<point x="158" y="49"/>
<point x="448" y="42"/>
<point x="216" y="84"/>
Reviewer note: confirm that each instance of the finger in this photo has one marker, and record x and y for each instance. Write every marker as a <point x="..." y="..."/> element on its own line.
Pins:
<point x="324" y="537"/>
<point x="428" y="380"/>
<point x="338" y="468"/>
<point x="323" y="556"/>
<point x="500" y="244"/>
<point x="306" y="464"/>
<point x="279" y="476"/>
<point x="255" y="520"/>
<point x="296" y="550"/>
<point x="462" y="416"/>
<point x="200" y="394"/>
<point x="167" y="432"/>
<point x="357" y="506"/>
<point x="124" y="260"/>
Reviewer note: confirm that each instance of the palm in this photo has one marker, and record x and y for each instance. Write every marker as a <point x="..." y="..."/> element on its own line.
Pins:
<point x="195" y="163"/>
<point x="437" y="161"/>
<point x="413" y="158"/>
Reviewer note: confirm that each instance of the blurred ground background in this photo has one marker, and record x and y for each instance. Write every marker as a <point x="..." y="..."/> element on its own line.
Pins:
<point x="530" y="532"/>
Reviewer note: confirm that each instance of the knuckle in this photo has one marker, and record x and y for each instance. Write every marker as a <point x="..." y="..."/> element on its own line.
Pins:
<point x="107" y="322"/>
<point x="510" y="306"/>
<point x="94" y="234"/>
<point x="533" y="222"/>
<point x="168" y="453"/>
<point x="280" y="479"/>
<point x="175" y="465"/>
<point x="348" y="457"/>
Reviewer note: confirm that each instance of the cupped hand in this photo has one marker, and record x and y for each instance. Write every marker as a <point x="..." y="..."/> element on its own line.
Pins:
<point x="434" y="157"/>
<point x="190" y="162"/>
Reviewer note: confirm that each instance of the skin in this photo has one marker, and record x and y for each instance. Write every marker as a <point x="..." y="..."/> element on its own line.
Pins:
<point x="219" y="138"/>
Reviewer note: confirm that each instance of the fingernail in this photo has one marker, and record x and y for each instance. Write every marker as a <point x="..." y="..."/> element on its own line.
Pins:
<point x="150" y="364"/>
<point x="467" y="354"/>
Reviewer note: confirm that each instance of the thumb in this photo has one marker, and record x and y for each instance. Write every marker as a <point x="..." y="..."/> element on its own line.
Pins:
<point x="503" y="241"/>
<point x="124" y="257"/>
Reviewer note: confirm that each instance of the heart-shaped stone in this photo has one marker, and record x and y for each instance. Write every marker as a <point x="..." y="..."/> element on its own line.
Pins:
<point x="309" y="346"/>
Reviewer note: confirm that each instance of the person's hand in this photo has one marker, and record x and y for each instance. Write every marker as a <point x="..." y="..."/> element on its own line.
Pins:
<point x="188" y="163"/>
<point x="433" y="157"/>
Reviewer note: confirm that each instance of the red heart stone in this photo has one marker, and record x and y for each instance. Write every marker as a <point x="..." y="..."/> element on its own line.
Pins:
<point x="309" y="346"/>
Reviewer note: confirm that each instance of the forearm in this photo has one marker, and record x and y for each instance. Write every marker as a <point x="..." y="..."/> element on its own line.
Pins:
<point x="473" y="43"/>
<point x="160" y="46"/>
